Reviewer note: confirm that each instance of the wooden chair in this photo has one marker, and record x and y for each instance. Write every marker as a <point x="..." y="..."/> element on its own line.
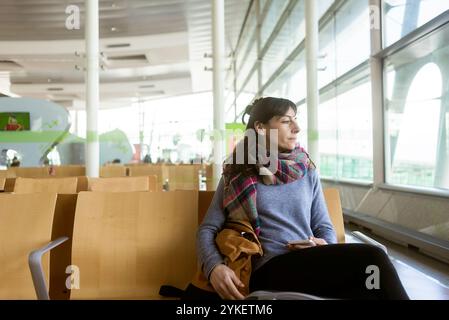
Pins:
<point x="68" y="171"/>
<point x="125" y="245"/>
<point x="125" y="184"/>
<point x="332" y="197"/>
<point x="184" y="177"/>
<point x="60" y="257"/>
<point x="10" y="173"/>
<point x="2" y="183"/>
<point x="113" y="171"/>
<point x="28" y="172"/>
<point x="51" y="185"/>
<point x="25" y="225"/>
<point x="204" y="201"/>
<point x="161" y="171"/>
<point x="82" y="184"/>
<point x="9" y="184"/>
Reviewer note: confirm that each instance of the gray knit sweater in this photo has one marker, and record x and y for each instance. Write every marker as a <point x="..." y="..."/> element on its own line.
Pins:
<point x="287" y="212"/>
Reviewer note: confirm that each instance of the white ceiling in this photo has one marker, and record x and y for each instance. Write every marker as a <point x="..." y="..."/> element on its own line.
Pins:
<point x="150" y="48"/>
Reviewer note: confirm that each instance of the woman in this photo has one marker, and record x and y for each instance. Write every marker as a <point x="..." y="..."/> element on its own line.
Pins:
<point x="282" y="208"/>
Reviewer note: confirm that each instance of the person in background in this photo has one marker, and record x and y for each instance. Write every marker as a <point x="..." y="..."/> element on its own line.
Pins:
<point x="15" y="162"/>
<point x="147" y="159"/>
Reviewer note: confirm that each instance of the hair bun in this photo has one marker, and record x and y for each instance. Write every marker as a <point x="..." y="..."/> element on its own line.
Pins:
<point x="249" y="109"/>
<point x="257" y="101"/>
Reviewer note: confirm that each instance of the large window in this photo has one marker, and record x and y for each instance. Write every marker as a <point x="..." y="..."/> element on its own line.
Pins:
<point x="415" y="91"/>
<point x="246" y="64"/>
<point x="404" y="16"/>
<point x="346" y="143"/>
<point x="246" y="96"/>
<point x="417" y="113"/>
<point x="275" y="9"/>
<point x="344" y="118"/>
<point x="246" y="53"/>
<point x="291" y="83"/>
<point x="344" y="41"/>
<point x="291" y="34"/>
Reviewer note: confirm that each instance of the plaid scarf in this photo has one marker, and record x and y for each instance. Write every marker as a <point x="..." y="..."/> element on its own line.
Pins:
<point x="240" y="191"/>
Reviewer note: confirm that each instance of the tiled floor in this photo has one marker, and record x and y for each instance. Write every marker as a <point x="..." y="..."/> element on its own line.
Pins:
<point x="423" y="278"/>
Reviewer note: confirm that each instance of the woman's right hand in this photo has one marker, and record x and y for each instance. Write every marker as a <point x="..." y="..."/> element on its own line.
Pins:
<point x="225" y="283"/>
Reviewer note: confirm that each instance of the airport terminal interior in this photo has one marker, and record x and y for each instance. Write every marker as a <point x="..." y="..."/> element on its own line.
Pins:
<point x="116" y="117"/>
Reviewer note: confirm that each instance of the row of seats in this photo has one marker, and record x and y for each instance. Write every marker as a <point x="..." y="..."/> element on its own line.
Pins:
<point x="43" y="172"/>
<point x="179" y="177"/>
<point x="78" y="184"/>
<point x="122" y="245"/>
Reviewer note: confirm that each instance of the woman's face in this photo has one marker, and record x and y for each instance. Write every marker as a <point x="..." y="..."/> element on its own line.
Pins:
<point x="287" y="130"/>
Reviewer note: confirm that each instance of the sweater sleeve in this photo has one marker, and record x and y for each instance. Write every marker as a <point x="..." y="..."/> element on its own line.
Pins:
<point x="320" y="221"/>
<point x="208" y="254"/>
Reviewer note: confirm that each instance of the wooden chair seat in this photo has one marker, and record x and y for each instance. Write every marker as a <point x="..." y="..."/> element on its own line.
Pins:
<point x="126" y="245"/>
<point x="25" y="225"/>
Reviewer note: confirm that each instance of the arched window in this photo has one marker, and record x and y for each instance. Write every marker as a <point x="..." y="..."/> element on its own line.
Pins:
<point x="416" y="151"/>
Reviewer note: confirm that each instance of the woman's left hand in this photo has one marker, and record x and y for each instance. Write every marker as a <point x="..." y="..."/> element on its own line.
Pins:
<point x="318" y="241"/>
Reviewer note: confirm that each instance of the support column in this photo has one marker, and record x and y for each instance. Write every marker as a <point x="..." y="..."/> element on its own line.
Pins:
<point x="218" y="53"/>
<point x="92" y="88"/>
<point x="442" y="168"/>
<point x="5" y="83"/>
<point x="75" y="124"/>
<point x="312" y="79"/>
<point x="377" y="94"/>
<point x="259" y="46"/>
<point x="141" y="129"/>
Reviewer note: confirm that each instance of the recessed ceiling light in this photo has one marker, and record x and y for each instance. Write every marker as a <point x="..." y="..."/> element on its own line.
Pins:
<point x="113" y="29"/>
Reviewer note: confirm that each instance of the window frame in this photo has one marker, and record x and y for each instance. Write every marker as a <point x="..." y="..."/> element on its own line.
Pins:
<point x="429" y="28"/>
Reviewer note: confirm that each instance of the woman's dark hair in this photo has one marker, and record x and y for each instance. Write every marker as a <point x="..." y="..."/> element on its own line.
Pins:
<point x="264" y="109"/>
<point x="261" y="110"/>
